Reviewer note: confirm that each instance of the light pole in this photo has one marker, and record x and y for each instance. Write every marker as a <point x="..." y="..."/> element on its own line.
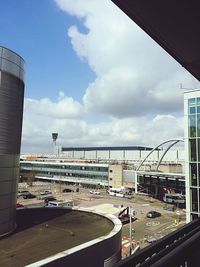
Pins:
<point x="130" y="228"/>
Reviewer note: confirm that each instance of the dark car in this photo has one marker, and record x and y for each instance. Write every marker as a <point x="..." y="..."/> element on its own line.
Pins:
<point x="67" y="190"/>
<point x="153" y="214"/>
<point x="23" y="193"/>
<point x="28" y="196"/>
<point x="49" y="198"/>
<point x="18" y="205"/>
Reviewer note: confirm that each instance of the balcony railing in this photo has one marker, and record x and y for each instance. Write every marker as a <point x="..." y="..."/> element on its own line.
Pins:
<point x="178" y="249"/>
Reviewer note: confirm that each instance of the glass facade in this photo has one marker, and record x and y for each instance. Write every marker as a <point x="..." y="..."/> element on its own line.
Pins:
<point x="192" y="147"/>
<point x="12" y="63"/>
<point x="67" y="172"/>
<point x="194" y="152"/>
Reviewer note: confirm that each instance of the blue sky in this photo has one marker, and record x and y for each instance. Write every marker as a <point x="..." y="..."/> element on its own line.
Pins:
<point x="92" y="75"/>
<point x="37" y="30"/>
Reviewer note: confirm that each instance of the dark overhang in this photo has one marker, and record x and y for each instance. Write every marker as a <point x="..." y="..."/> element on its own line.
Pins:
<point x="174" y="25"/>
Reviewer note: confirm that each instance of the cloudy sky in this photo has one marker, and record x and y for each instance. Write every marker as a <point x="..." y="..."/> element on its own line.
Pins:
<point x="92" y="75"/>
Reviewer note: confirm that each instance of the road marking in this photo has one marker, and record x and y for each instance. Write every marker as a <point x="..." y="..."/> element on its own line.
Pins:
<point x="153" y="223"/>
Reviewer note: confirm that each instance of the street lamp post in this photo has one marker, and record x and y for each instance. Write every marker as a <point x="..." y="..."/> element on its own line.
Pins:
<point x="130" y="228"/>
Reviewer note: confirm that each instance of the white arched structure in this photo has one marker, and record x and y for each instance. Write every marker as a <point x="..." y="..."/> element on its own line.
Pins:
<point x="174" y="141"/>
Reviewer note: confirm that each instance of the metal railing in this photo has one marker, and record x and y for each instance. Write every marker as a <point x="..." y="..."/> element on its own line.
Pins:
<point x="178" y="249"/>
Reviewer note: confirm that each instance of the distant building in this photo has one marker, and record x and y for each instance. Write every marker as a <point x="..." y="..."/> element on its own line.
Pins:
<point x="115" y="175"/>
<point x="111" y="174"/>
<point x="84" y="173"/>
<point x="107" y="153"/>
<point x="127" y="154"/>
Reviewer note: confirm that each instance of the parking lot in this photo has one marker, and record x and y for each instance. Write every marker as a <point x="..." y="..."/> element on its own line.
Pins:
<point x="144" y="230"/>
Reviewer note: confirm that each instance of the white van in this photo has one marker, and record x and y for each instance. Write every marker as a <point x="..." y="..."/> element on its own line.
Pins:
<point x="60" y="203"/>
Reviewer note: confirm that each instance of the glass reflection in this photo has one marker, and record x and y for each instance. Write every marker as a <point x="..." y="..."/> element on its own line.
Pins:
<point x="198" y="125"/>
<point x="193" y="174"/>
<point x="192" y="106"/>
<point x="192" y="125"/>
<point x="193" y="150"/>
<point x="198" y="104"/>
<point x="194" y="198"/>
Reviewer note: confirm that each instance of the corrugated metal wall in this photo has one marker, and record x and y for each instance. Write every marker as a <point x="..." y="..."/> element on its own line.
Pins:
<point x="11" y="111"/>
<point x="127" y="155"/>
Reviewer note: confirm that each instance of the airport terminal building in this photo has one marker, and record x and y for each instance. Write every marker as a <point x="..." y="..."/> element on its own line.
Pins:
<point x="99" y="167"/>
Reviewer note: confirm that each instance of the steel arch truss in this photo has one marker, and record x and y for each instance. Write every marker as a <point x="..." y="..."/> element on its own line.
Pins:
<point x="172" y="141"/>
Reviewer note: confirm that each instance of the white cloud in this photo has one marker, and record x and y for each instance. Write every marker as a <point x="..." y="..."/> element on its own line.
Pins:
<point x="134" y="75"/>
<point x="136" y="87"/>
<point x="64" y="108"/>
<point x="39" y="126"/>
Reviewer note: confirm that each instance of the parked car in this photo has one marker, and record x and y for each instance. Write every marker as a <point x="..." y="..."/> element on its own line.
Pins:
<point x="28" y="196"/>
<point x="23" y="192"/>
<point x="67" y="190"/>
<point x="49" y="198"/>
<point x="153" y="214"/>
<point x="94" y="192"/>
<point x="18" y="205"/>
<point x="45" y="192"/>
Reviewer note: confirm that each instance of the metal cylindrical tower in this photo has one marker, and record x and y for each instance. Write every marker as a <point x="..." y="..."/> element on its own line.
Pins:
<point x="11" y="112"/>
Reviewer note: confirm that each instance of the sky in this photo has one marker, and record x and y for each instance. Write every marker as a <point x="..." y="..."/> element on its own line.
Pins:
<point x="92" y="75"/>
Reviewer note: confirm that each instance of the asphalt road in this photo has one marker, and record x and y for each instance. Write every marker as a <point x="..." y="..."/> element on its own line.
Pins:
<point x="145" y="229"/>
<point x="148" y="229"/>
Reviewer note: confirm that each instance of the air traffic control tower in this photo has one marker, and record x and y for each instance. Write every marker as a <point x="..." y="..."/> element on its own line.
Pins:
<point x="11" y="112"/>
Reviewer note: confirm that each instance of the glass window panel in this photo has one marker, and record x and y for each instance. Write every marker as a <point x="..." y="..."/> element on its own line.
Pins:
<point x="192" y="125"/>
<point x="10" y="67"/>
<point x="192" y="150"/>
<point x="141" y="179"/>
<point x="198" y="170"/>
<point x="194" y="199"/>
<point x="198" y="141"/>
<point x="198" y="125"/>
<point x="8" y="54"/>
<point x="198" y="105"/>
<point x="192" y="105"/>
<point x="193" y="174"/>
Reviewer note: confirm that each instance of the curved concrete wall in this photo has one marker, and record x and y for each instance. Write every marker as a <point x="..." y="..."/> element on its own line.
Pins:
<point x="11" y="111"/>
<point x="104" y="251"/>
